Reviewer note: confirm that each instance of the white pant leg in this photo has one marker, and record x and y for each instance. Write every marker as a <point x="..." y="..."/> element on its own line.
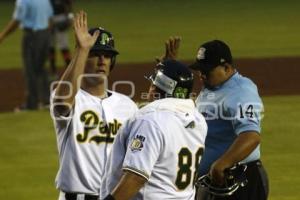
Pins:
<point x="61" y="196"/>
<point x="62" y="39"/>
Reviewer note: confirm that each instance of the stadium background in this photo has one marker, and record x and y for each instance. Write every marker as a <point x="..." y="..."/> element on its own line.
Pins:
<point x="264" y="38"/>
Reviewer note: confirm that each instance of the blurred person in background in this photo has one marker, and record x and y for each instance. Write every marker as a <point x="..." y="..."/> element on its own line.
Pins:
<point x="62" y="21"/>
<point x="34" y="18"/>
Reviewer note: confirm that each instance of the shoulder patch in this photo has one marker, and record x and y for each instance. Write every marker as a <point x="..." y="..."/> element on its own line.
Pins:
<point x="137" y="143"/>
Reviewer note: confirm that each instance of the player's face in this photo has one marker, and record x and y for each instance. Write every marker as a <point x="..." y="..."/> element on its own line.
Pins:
<point x="97" y="68"/>
<point x="214" y="77"/>
<point x="98" y="63"/>
<point x="152" y="94"/>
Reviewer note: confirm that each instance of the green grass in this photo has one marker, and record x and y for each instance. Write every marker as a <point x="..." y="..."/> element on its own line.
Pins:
<point x="28" y="153"/>
<point x="280" y="146"/>
<point x="258" y="28"/>
<point x="28" y="156"/>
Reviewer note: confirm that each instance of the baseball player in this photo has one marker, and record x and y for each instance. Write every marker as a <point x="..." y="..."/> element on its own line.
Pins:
<point x="156" y="152"/>
<point x="86" y="115"/>
<point x="61" y="22"/>
<point x="232" y="107"/>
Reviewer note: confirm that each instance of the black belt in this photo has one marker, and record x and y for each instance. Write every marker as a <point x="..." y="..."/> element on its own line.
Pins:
<point x="73" y="196"/>
<point x="32" y="30"/>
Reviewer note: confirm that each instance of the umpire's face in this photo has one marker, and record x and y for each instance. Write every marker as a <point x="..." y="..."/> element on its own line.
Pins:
<point x="216" y="76"/>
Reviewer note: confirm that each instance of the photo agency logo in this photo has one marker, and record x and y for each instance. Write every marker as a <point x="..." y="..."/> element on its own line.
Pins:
<point x="249" y="111"/>
<point x="212" y="111"/>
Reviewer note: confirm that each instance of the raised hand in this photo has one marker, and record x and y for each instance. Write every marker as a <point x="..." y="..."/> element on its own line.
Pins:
<point x="1" y="37"/>
<point x="172" y="46"/>
<point x="171" y="49"/>
<point x="83" y="38"/>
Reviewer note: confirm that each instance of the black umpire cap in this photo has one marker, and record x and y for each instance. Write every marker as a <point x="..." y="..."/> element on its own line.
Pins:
<point x="212" y="54"/>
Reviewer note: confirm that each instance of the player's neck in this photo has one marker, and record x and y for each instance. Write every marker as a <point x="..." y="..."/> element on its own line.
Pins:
<point x="96" y="90"/>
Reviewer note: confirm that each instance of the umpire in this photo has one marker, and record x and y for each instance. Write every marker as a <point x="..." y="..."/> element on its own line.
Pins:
<point x="33" y="16"/>
<point x="232" y="107"/>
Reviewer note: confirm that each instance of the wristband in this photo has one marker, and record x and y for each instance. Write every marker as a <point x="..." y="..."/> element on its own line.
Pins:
<point x="109" y="197"/>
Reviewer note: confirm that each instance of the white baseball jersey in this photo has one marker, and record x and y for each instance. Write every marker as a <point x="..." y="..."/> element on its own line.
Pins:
<point x="85" y="137"/>
<point x="163" y="143"/>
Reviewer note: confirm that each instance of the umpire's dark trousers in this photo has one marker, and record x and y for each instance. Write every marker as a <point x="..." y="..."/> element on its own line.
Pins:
<point x="35" y="47"/>
<point x="257" y="187"/>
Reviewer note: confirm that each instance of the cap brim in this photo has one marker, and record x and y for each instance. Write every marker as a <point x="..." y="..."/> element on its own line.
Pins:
<point x="195" y="66"/>
<point x="101" y="49"/>
<point x="201" y="66"/>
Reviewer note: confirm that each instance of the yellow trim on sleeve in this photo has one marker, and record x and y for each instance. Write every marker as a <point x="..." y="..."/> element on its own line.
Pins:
<point x="136" y="171"/>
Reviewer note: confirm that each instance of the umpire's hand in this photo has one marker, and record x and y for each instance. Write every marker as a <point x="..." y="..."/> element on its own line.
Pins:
<point x="217" y="171"/>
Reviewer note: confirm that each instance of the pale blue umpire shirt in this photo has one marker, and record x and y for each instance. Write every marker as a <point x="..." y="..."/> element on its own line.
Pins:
<point x="230" y="109"/>
<point x="33" y="14"/>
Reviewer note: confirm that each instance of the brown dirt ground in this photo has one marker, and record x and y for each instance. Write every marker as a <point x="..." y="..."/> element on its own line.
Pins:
<point x="273" y="76"/>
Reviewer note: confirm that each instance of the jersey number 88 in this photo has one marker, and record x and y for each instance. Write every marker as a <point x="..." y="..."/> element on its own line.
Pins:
<point x="184" y="173"/>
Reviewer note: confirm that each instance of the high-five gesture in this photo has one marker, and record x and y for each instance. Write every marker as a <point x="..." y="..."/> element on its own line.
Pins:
<point x="171" y="49"/>
<point x="85" y="42"/>
<point x="172" y="46"/>
<point x="83" y="38"/>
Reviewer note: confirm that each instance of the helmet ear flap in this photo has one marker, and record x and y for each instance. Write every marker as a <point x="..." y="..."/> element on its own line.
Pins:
<point x="174" y="78"/>
<point x="113" y="62"/>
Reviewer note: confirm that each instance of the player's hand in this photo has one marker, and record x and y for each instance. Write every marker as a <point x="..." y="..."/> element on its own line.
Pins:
<point x="83" y="39"/>
<point x="217" y="172"/>
<point x="1" y="38"/>
<point x="171" y="49"/>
